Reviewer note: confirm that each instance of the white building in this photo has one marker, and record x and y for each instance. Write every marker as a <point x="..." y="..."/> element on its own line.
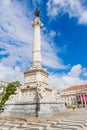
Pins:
<point x="3" y="85"/>
<point x="75" y="95"/>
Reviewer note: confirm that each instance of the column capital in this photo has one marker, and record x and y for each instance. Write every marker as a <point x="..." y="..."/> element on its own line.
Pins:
<point x="37" y="22"/>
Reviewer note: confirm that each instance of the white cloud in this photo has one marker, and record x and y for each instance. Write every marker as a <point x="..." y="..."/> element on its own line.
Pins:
<point x="70" y="79"/>
<point x="74" y="8"/>
<point x="14" y="23"/>
<point x="49" y="54"/>
<point x="55" y="80"/>
<point x="17" y="53"/>
<point x="85" y="74"/>
<point x="15" y="34"/>
<point x="52" y="34"/>
<point x="75" y="71"/>
<point x="16" y="38"/>
<point x="9" y="74"/>
<point x="83" y="17"/>
<point x="5" y="2"/>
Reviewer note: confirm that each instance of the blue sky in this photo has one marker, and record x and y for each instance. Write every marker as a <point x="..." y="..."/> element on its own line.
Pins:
<point x="63" y="40"/>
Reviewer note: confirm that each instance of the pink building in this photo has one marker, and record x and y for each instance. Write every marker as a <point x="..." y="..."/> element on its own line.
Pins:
<point x="75" y="95"/>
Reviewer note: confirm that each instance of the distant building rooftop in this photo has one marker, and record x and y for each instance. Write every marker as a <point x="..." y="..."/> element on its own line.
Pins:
<point x="78" y="87"/>
<point x="4" y="81"/>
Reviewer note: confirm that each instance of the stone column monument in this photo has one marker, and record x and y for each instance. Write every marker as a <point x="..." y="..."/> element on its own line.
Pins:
<point x="36" y="74"/>
<point x="37" y="44"/>
<point x="36" y="97"/>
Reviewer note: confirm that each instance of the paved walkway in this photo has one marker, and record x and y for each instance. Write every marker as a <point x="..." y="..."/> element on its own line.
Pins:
<point x="75" y="121"/>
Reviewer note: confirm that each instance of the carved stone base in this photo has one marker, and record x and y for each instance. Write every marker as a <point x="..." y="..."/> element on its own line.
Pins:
<point x="33" y="109"/>
<point x="34" y="76"/>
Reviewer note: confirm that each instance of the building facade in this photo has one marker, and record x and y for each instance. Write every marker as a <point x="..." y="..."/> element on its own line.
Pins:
<point x="3" y="85"/>
<point x="75" y="95"/>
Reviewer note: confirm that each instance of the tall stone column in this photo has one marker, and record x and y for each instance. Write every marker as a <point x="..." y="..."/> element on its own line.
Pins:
<point x="36" y="61"/>
<point x="36" y="74"/>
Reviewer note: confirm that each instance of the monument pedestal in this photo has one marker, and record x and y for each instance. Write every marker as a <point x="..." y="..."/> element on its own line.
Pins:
<point x="29" y="109"/>
<point x="36" y="76"/>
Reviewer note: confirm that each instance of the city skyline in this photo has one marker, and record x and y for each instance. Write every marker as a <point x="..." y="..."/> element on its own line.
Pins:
<point x="63" y="40"/>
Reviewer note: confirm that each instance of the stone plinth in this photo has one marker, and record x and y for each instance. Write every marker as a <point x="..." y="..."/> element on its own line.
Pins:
<point x="35" y="76"/>
<point x="29" y="109"/>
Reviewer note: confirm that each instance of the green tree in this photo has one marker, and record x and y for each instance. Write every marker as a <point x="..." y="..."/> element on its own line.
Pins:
<point x="17" y="83"/>
<point x="11" y="88"/>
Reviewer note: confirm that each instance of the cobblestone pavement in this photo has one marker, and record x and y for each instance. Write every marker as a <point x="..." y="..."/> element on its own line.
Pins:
<point x="76" y="121"/>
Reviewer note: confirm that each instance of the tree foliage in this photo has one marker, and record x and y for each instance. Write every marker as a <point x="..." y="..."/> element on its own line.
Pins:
<point x="11" y="88"/>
